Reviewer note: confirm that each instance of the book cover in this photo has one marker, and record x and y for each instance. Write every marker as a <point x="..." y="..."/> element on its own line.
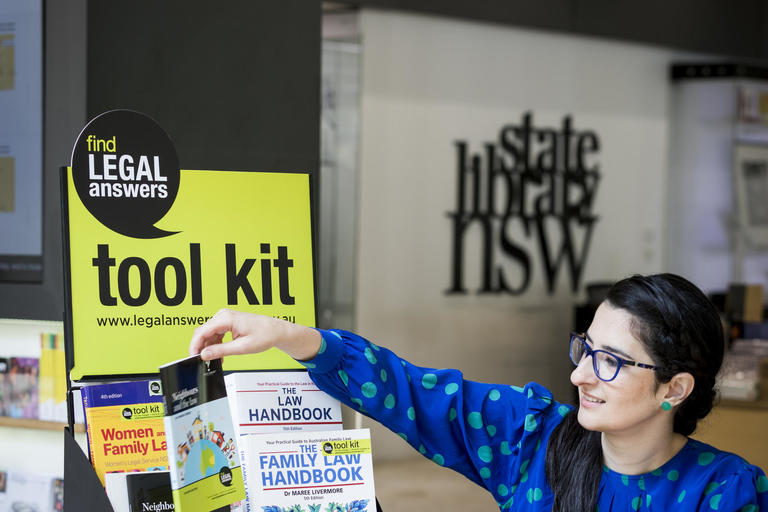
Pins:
<point x="22" y="376"/>
<point x="267" y="402"/>
<point x="270" y="402"/>
<point x="5" y="386"/>
<point x="147" y="491"/>
<point x="203" y="458"/>
<point x="124" y="425"/>
<point x="59" y="379"/>
<point x="46" y="378"/>
<point x="311" y="471"/>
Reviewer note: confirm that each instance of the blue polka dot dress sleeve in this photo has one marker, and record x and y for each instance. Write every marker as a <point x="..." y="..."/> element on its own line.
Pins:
<point x="493" y="434"/>
<point x="743" y="491"/>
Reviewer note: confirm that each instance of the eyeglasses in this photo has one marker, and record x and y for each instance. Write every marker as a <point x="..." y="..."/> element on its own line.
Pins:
<point x="605" y="364"/>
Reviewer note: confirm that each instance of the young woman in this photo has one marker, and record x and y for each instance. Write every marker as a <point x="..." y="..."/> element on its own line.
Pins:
<point x="645" y="371"/>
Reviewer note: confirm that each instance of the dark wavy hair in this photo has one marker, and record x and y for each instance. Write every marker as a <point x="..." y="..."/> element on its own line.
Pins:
<point x="681" y="330"/>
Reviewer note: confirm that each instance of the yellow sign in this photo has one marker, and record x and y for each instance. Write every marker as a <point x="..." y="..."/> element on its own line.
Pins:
<point x="240" y="240"/>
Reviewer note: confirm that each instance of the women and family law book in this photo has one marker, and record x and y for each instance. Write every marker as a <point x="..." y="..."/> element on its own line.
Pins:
<point x="203" y="458"/>
<point x="124" y="425"/>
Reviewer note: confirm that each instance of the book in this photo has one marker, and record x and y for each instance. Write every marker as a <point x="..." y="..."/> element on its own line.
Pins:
<point x="312" y="471"/>
<point x="124" y="426"/>
<point x="267" y="402"/>
<point x="22" y="376"/>
<point x="284" y="401"/>
<point x="203" y="457"/>
<point x="46" y="378"/>
<point x="5" y="386"/>
<point x="146" y="491"/>
<point x="60" y="378"/>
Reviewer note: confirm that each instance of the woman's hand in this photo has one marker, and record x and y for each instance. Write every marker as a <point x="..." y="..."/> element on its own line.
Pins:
<point x="251" y="334"/>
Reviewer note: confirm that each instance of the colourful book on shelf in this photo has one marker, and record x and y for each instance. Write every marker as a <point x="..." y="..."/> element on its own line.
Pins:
<point x="23" y="378"/>
<point x="124" y="423"/>
<point x="5" y="386"/>
<point x="59" y="379"/>
<point x="203" y="458"/>
<point x="45" y="392"/>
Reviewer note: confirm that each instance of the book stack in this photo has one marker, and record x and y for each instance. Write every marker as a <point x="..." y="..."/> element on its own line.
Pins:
<point x="198" y="441"/>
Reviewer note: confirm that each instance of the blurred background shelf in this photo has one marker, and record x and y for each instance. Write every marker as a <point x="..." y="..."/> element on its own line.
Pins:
<point x="40" y="425"/>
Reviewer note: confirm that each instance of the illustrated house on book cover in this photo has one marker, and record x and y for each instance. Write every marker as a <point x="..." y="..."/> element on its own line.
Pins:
<point x="205" y="470"/>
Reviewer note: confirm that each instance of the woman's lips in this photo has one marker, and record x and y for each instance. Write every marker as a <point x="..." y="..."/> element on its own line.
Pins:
<point x="590" y="401"/>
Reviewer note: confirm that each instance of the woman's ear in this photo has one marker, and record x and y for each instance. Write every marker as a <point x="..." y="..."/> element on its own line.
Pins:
<point x="678" y="388"/>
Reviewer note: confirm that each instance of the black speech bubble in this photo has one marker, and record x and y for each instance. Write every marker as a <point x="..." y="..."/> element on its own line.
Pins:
<point x="131" y="203"/>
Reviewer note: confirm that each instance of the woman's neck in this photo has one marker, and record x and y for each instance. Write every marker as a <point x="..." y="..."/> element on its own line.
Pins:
<point x="638" y="454"/>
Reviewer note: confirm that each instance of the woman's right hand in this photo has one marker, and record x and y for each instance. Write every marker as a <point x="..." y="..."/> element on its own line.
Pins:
<point x="252" y="333"/>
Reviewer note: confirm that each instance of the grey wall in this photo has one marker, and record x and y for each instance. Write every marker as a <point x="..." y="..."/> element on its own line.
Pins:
<point x="737" y="29"/>
<point x="236" y="85"/>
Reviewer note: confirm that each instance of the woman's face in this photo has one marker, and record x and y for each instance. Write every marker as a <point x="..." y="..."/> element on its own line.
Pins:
<point x="632" y="401"/>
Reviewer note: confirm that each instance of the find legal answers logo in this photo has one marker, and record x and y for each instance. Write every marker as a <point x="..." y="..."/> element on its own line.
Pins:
<point x="126" y="172"/>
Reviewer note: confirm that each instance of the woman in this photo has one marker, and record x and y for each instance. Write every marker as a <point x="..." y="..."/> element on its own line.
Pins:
<point x="645" y="372"/>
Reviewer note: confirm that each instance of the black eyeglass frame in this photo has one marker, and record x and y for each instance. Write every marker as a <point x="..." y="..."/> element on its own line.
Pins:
<point x="588" y="351"/>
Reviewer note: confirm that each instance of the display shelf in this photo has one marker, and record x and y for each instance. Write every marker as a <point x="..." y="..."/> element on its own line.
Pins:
<point x="38" y="424"/>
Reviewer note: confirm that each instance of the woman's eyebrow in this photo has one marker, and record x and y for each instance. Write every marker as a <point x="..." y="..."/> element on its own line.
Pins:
<point x="617" y="351"/>
<point x="608" y="348"/>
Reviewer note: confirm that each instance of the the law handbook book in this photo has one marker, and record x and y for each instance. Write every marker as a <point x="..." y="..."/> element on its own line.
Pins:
<point x="312" y="471"/>
<point x="202" y="446"/>
<point x="278" y="401"/>
<point x="124" y="425"/>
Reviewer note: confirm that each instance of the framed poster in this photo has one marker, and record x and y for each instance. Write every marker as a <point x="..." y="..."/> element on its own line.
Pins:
<point x="21" y="141"/>
<point x="750" y="175"/>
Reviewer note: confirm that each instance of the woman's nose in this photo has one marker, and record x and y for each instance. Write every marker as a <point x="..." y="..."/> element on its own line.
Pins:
<point x="583" y="373"/>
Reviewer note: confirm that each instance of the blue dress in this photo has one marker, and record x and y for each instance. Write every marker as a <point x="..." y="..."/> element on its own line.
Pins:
<point x="496" y="435"/>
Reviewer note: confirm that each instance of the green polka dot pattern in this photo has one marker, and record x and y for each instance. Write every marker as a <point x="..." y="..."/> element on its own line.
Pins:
<point x="494" y="395"/>
<point x="475" y="420"/>
<point x="389" y="401"/>
<point x="369" y="390"/>
<point x="485" y="453"/>
<point x="534" y="494"/>
<point x="429" y="380"/>
<point x="451" y="388"/>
